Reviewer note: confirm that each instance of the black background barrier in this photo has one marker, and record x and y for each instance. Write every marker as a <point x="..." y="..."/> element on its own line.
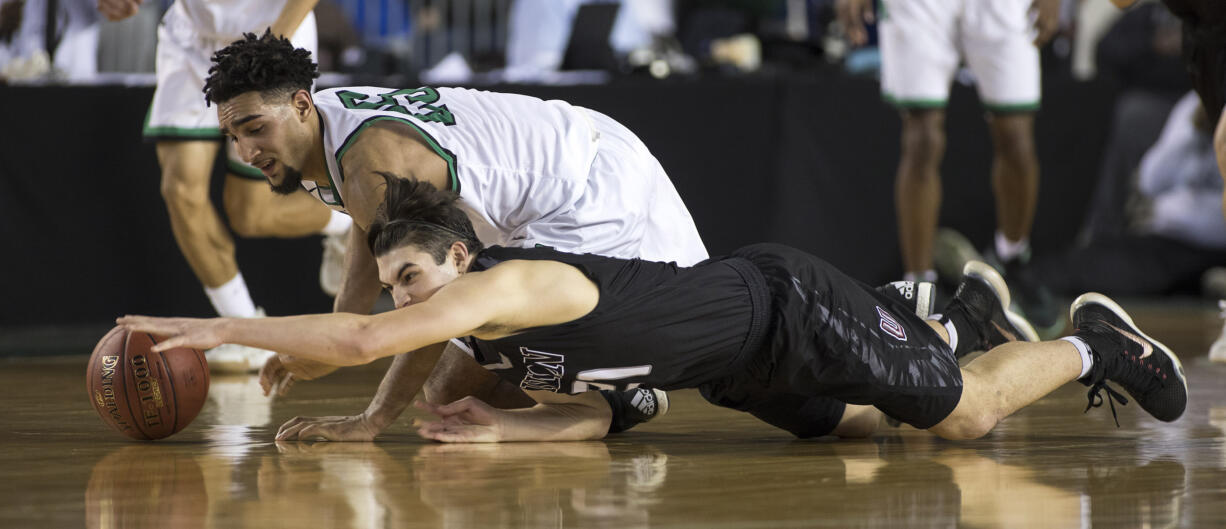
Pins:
<point x="807" y="160"/>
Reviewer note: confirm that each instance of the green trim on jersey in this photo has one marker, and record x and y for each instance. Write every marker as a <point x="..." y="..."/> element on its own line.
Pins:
<point x="207" y="133"/>
<point x="243" y="170"/>
<point x="914" y="103"/>
<point x="442" y="152"/>
<point x="1010" y="108"/>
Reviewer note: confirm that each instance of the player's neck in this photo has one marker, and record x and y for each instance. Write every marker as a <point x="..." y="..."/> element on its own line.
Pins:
<point x="316" y="167"/>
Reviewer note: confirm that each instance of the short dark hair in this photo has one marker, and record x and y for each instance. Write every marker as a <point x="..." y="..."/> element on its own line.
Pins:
<point x="415" y="212"/>
<point x="268" y="64"/>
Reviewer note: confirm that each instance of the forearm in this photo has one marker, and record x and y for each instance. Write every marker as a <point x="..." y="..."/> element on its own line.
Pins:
<point x="585" y="417"/>
<point x="402" y="382"/>
<point x="333" y="339"/>
<point x="360" y="286"/>
<point x="292" y="15"/>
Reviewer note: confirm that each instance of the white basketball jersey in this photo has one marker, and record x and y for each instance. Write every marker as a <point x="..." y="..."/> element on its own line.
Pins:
<point x="228" y="19"/>
<point x="515" y="160"/>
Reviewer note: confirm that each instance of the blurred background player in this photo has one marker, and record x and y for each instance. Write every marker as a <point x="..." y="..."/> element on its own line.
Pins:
<point x="923" y="43"/>
<point x="188" y="139"/>
<point x="1204" y="55"/>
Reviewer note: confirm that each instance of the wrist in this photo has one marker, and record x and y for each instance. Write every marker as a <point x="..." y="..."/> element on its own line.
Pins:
<point x="378" y="418"/>
<point x="224" y="327"/>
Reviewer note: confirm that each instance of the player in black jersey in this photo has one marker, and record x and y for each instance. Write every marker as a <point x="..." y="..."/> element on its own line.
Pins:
<point x="769" y="330"/>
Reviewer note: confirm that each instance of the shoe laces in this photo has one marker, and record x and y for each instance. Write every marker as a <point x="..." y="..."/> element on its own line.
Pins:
<point x="1095" y="399"/>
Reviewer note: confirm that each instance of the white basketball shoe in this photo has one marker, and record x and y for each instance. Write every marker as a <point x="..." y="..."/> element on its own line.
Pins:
<point x="235" y="358"/>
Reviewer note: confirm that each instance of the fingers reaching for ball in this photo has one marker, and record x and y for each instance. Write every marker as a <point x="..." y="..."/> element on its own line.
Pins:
<point x="194" y="333"/>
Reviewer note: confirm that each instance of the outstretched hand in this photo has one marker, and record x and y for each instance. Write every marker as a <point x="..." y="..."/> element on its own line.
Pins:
<point x="280" y="372"/>
<point x="195" y="333"/>
<point x="468" y="420"/>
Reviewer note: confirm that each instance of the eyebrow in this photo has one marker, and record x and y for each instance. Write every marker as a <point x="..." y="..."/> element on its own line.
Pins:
<point x="404" y="267"/>
<point x="400" y="272"/>
<point x="240" y="121"/>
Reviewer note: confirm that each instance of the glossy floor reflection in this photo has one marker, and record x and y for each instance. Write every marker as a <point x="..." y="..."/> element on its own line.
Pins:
<point x="700" y="466"/>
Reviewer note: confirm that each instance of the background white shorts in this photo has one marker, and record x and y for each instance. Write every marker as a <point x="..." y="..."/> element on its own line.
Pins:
<point x="178" y="111"/>
<point x="630" y="208"/>
<point x="923" y="42"/>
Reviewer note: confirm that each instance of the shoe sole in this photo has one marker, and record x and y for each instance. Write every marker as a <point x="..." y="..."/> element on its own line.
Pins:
<point x="1096" y="298"/>
<point x="661" y="403"/>
<point x="925" y="299"/>
<point x="989" y="274"/>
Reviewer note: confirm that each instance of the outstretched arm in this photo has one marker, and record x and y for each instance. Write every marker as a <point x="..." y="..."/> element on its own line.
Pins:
<point x="496" y="303"/>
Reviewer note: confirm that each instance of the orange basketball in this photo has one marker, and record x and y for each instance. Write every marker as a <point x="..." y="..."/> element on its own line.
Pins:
<point x="142" y="394"/>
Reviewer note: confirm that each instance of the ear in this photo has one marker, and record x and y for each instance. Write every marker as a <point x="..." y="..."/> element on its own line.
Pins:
<point x="303" y="104"/>
<point x="459" y="252"/>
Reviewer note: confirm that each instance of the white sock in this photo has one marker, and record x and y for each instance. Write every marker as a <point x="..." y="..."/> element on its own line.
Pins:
<point x="1084" y="350"/>
<point x="929" y="275"/>
<point x="231" y="299"/>
<point x="338" y="224"/>
<point x="1007" y="250"/>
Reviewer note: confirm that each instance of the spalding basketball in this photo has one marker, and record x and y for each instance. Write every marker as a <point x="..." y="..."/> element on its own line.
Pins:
<point x="142" y="394"/>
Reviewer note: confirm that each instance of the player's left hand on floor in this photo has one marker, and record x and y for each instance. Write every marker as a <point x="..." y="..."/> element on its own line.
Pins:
<point x="468" y="420"/>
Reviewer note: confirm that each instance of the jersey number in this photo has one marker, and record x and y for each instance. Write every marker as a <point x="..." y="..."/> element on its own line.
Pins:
<point x="402" y="101"/>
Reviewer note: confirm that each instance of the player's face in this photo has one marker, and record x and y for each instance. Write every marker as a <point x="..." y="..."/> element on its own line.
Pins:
<point x="269" y="135"/>
<point x="412" y="276"/>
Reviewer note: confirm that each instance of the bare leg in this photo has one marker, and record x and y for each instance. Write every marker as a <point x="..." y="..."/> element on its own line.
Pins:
<point x="203" y="239"/>
<point x="256" y="211"/>
<point x="1015" y="173"/>
<point x="917" y="187"/>
<point x="1006" y="379"/>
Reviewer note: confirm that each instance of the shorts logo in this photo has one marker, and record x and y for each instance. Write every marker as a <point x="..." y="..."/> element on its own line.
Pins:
<point x="890" y="326"/>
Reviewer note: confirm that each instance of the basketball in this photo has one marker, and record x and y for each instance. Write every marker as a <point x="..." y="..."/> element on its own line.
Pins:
<point x="142" y="394"/>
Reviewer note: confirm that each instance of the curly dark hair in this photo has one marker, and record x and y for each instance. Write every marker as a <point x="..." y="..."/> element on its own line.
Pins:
<point x="268" y="64"/>
<point x="415" y="212"/>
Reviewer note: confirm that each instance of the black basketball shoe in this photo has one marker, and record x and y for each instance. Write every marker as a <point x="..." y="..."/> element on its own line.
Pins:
<point x="917" y="296"/>
<point x="1145" y="368"/>
<point x="634" y="407"/>
<point x="980" y="312"/>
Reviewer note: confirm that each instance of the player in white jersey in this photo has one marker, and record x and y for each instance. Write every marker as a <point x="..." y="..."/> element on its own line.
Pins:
<point x="188" y="138"/>
<point x="923" y="43"/>
<point x="530" y="172"/>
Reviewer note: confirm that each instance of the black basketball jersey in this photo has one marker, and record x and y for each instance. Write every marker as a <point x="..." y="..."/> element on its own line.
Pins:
<point x="656" y="324"/>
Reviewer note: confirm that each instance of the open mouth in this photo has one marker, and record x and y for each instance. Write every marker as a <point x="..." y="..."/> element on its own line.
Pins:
<point x="266" y="165"/>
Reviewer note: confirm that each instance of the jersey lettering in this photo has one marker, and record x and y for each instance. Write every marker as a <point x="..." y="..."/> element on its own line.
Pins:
<point x="416" y="102"/>
<point x="542" y="371"/>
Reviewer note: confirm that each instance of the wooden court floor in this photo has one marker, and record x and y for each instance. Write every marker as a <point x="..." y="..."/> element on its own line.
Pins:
<point x="1050" y="466"/>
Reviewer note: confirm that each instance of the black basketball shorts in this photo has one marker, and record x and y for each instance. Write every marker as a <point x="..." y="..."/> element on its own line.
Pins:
<point x="835" y="340"/>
